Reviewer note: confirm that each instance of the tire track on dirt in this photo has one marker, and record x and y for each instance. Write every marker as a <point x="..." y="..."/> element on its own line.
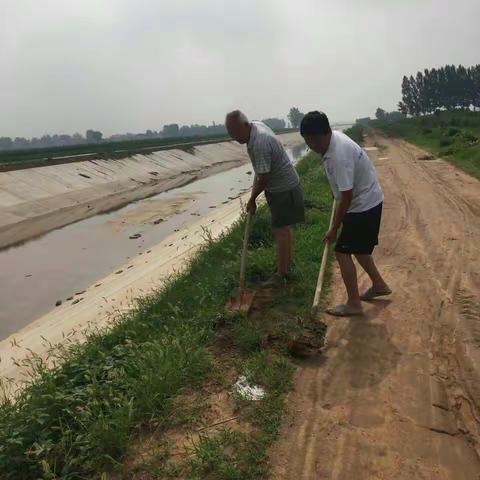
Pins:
<point x="393" y="395"/>
<point x="463" y="313"/>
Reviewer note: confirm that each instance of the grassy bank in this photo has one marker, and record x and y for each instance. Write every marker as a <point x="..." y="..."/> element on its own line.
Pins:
<point x="106" y="149"/>
<point x="453" y="136"/>
<point x="356" y="133"/>
<point x="129" y="403"/>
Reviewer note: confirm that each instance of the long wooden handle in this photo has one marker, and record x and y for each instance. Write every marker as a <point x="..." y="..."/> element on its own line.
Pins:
<point x="323" y="265"/>
<point x="243" y="264"/>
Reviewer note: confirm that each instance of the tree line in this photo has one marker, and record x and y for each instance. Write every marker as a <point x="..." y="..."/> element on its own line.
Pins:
<point x="91" y="136"/>
<point x="384" y="116"/>
<point x="447" y="87"/>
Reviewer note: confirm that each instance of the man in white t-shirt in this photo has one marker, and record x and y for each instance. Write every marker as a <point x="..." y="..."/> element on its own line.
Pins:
<point x="355" y="186"/>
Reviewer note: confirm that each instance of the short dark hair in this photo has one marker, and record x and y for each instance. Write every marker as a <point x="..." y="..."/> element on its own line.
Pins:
<point x="315" y="123"/>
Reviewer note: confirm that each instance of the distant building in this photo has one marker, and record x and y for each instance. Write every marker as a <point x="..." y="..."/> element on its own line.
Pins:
<point x="93" y="136"/>
<point x="363" y="120"/>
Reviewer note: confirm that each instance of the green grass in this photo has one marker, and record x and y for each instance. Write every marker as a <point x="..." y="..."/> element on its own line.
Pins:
<point x="356" y="133"/>
<point x="453" y="136"/>
<point x="78" y="421"/>
<point x="106" y="149"/>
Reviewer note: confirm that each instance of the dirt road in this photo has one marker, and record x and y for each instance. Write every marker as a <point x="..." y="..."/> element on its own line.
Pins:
<point x="396" y="393"/>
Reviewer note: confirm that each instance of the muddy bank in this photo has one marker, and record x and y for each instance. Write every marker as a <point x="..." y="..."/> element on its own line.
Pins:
<point x="37" y="200"/>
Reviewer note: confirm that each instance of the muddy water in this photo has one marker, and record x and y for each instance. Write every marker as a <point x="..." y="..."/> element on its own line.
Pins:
<point x="57" y="266"/>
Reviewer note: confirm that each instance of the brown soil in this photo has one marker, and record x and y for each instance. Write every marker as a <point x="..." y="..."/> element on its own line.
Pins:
<point x="397" y="395"/>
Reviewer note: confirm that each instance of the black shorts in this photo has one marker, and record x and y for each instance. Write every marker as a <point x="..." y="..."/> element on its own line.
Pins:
<point x="359" y="233"/>
<point x="287" y="207"/>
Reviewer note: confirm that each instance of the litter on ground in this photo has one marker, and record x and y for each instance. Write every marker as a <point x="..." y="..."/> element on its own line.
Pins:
<point x="247" y="391"/>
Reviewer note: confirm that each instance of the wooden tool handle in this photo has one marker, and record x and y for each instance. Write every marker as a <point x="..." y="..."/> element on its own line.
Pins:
<point x="323" y="265"/>
<point x="243" y="265"/>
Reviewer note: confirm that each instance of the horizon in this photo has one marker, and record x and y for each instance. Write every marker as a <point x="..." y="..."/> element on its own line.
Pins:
<point x="110" y="137"/>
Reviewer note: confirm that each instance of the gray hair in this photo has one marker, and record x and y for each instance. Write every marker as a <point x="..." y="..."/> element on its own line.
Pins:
<point x="236" y="116"/>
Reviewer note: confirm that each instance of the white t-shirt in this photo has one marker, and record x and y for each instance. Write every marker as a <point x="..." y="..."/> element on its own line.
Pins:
<point x="348" y="168"/>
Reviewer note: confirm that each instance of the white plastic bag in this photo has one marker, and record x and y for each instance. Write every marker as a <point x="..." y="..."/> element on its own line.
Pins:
<point x="247" y="391"/>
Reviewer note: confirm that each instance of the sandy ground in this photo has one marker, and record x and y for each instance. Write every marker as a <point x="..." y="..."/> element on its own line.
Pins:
<point x="151" y="211"/>
<point x="111" y="295"/>
<point x="396" y="393"/>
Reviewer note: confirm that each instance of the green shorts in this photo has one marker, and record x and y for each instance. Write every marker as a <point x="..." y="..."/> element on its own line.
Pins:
<point x="287" y="207"/>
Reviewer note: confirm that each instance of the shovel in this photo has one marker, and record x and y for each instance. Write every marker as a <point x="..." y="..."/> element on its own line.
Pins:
<point x="243" y="301"/>
<point x="323" y="265"/>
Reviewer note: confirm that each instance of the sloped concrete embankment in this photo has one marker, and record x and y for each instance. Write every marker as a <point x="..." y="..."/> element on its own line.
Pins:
<point x="37" y="200"/>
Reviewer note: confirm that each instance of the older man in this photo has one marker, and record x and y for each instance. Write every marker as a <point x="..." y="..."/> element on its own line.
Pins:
<point x="277" y="177"/>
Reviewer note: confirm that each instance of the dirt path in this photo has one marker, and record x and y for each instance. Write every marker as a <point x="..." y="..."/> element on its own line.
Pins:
<point x="396" y="393"/>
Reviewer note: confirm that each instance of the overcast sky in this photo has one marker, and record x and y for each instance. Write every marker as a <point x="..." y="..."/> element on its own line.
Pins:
<point x="132" y="65"/>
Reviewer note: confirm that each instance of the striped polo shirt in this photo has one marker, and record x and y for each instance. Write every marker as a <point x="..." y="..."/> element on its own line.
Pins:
<point x="269" y="156"/>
